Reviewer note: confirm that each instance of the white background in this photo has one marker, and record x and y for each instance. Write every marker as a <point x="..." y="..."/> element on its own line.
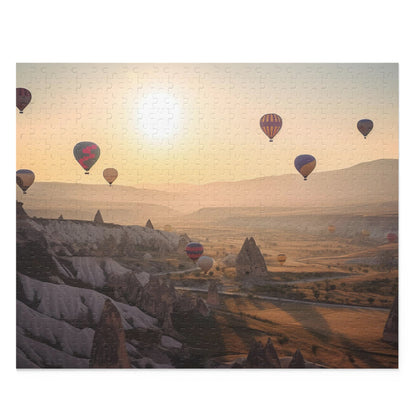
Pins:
<point x="211" y="31"/>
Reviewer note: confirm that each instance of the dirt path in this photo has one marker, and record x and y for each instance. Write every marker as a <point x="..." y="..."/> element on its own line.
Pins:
<point x="304" y="302"/>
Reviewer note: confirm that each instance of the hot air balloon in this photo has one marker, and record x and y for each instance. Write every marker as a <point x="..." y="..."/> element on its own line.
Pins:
<point x="392" y="237"/>
<point x="194" y="251"/>
<point x="305" y="164"/>
<point x="271" y="125"/>
<point x="24" y="178"/>
<point x="23" y="97"/>
<point x="281" y="258"/>
<point x="86" y="154"/>
<point x="110" y="175"/>
<point x="365" y="126"/>
<point x="167" y="228"/>
<point x="331" y="228"/>
<point x="365" y="233"/>
<point x="205" y="263"/>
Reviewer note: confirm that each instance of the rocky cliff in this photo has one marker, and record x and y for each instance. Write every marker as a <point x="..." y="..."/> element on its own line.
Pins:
<point x="76" y="298"/>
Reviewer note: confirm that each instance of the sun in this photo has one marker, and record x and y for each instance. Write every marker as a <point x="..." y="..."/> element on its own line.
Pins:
<point x="159" y="115"/>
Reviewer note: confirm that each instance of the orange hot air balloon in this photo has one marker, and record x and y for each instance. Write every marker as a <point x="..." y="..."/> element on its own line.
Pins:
<point x="271" y="125"/>
<point x="281" y="258"/>
<point x="365" y="233"/>
<point x="23" y="97"/>
<point x="110" y="175"/>
<point x="331" y="228"/>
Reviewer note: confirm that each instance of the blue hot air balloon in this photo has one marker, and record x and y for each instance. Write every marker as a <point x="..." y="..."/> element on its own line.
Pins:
<point x="305" y="164"/>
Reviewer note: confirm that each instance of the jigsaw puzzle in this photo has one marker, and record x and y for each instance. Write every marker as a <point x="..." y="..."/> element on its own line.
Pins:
<point x="207" y="215"/>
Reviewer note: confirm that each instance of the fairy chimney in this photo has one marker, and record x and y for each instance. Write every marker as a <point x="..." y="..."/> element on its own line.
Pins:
<point x="149" y="224"/>
<point x="391" y="329"/>
<point x="262" y="357"/>
<point x="250" y="262"/>
<point x="109" y="343"/>
<point x="61" y="217"/>
<point x="20" y="212"/>
<point x="98" y="219"/>
<point x="213" y="297"/>
<point x="297" y="360"/>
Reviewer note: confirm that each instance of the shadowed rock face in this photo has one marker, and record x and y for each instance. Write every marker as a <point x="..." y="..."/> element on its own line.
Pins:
<point x="149" y="224"/>
<point x="213" y="297"/>
<point x="109" y="344"/>
<point x="297" y="360"/>
<point x="20" y="212"/>
<point x="250" y="262"/>
<point x="98" y="219"/>
<point x="391" y="329"/>
<point x="262" y="357"/>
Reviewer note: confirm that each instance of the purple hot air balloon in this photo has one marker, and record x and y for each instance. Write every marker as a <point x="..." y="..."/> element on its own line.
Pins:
<point x="365" y="126"/>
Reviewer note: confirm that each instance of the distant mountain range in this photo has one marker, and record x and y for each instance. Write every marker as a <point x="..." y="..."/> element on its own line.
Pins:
<point x="368" y="183"/>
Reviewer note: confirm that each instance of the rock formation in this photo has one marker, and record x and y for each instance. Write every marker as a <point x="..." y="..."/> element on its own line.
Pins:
<point x="250" y="262"/>
<point x="213" y="297"/>
<point x="149" y="224"/>
<point x="61" y="217"/>
<point x="391" y="329"/>
<point x="98" y="219"/>
<point x="157" y="297"/>
<point x="297" y="360"/>
<point x="109" y="344"/>
<point x="183" y="242"/>
<point x="262" y="357"/>
<point x="20" y="212"/>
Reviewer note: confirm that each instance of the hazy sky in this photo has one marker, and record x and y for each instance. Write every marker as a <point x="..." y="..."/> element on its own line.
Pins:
<point x="199" y="123"/>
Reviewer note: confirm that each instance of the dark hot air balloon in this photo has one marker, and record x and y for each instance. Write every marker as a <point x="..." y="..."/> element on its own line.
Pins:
<point x="24" y="178"/>
<point x="271" y="125"/>
<point x="194" y="251"/>
<point x="365" y="126"/>
<point x="23" y="97"/>
<point x="305" y="164"/>
<point x="86" y="154"/>
<point x="110" y="175"/>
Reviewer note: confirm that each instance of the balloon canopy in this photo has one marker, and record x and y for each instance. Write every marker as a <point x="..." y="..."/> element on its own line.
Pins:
<point x="110" y="175"/>
<point x="23" y="97"/>
<point x="331" y="228"/>
<point x="271" y="125"/>
<point x="194" y="251"/>
<point x="392" y="237"/>
<point x="281" y="258"/>
<point x="24" y="179"/>
<point x="365" y="126"/>
<point x="305" y="164"/>
<point x="86" y="154"/>
<point x="205" y="263"/>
